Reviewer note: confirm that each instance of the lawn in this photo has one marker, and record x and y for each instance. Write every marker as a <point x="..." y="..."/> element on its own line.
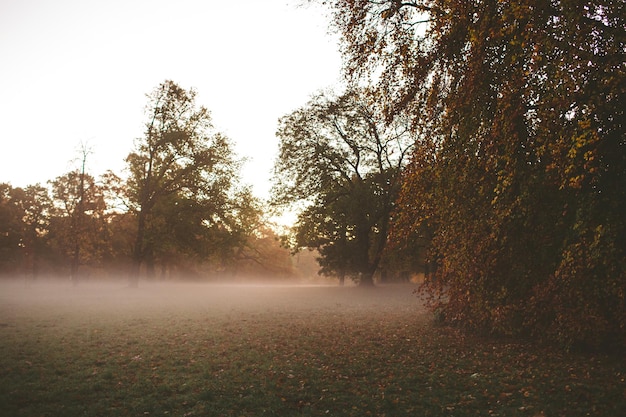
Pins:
<point x="210" y="350"/>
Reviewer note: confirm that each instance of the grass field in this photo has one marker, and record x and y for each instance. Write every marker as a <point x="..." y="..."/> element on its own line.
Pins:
<point x="208" y="350"/>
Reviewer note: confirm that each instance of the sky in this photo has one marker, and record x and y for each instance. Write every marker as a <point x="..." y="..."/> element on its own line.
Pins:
<point x="76" y="73"/>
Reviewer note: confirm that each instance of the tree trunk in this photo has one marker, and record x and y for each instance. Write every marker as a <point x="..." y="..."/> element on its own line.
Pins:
<point x="133" y="278"/>
<point x="366" y="279"/>
<point x="78" y="226"/>
<point x="74" y="265"/>
<point x="150" y="264"/>
<point x="163" y="276"/>
<point x="342" y="278"/>
<point x="138" y="252"/>
<point x="384" y="275"/>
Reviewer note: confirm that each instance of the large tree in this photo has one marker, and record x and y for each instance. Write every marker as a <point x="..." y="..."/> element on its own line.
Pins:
<point x="179" y="165"/>
<point x="342" y="162"/>
<point x="522" y="177"/>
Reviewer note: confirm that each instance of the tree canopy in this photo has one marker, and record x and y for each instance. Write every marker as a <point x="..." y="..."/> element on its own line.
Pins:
<point x="521" y="176"/>
<point x="24" y="218"/>
<point x="180" y="161"/>
<point x="338" y="159"/>
<point x="180" y="207"/>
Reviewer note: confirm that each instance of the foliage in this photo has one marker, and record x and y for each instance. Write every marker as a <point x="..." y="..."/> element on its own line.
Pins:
<point x="521" y="178"/>
<point x="180" y="161"/>
<point x="261" y="256"/>
<point x="180" y="209"/>
<point x="341" y="161"/>
<point x="78" y="222"/>
<point x="24" y="222"/>
<point x="10" y="235"/>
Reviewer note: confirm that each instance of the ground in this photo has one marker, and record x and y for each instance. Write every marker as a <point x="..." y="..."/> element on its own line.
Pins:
<point x="211" y="350"/>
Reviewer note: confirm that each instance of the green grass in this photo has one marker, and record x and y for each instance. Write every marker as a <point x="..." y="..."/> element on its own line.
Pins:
<point x="252" y="351"/>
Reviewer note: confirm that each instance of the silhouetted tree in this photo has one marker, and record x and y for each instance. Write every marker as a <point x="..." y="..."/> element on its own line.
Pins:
<point x="24" y="214"/>
<point x="338" y="157"/>
<point x="179" y="160"/>
<point x="79" y="220"/>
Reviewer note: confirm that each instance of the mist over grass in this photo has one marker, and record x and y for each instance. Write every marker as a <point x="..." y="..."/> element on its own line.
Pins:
<point x="192" y="349"/>
<point x="215" y="299"/>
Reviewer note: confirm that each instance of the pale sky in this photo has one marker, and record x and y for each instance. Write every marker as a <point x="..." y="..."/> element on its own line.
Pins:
<point x="75" y="71"/>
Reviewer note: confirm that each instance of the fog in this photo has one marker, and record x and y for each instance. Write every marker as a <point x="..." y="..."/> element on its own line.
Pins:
<point x="50" y="300"/>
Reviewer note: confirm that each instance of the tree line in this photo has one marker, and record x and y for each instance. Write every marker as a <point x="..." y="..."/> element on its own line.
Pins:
<point x="180" y="211"/>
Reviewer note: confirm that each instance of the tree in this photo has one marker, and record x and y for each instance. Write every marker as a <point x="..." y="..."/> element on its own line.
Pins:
<point x="79" y="220"/>
<point x="261" y="256"/>
<point x="188" y="230"/>
<point x="247" y="245"/>
<point x="24" y="214"/>
<point x="180" y="159"/>
<point x="522" y="103"/>
<point x="10" y="229"/>
<point x="79" y="216"/>
<point x="339" y="159"/>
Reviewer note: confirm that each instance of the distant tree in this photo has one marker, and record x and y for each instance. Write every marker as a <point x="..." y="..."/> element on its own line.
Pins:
<point x="196" y="231"/>
<point x="262" y="257"/>
<point x="235" y="244"/>
<point x="117" y="242"/>
<point x="122" y="231"/>
<point x="521" y="179"/>
<point x="10" y="229"/>
<point x="339" y="159"/>
<point x="24" y="214"/>
<point x="79" y="220"/>
<point x="179" y="160"/>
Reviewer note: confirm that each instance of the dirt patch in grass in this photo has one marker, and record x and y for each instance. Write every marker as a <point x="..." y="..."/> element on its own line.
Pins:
<point x="203" y="350"/>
